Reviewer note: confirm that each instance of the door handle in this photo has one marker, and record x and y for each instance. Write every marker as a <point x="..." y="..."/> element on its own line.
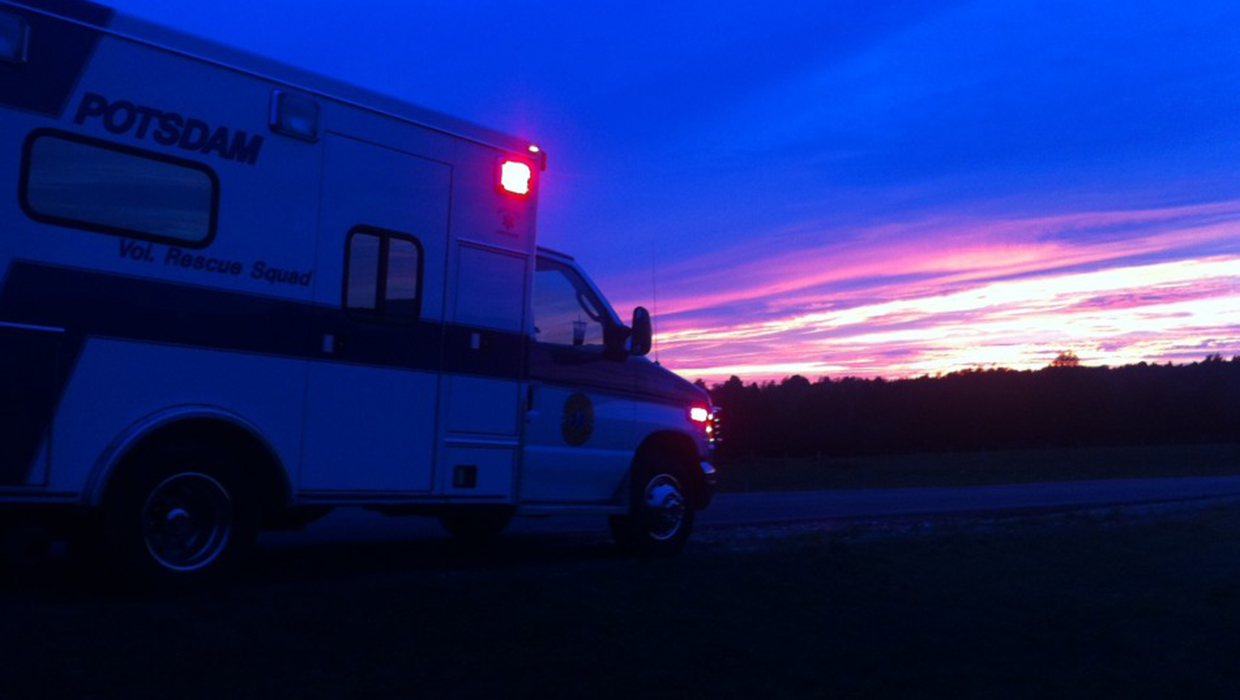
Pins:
<point x="332" y="343"/>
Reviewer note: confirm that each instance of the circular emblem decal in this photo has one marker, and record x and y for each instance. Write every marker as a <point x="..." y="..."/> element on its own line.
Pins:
<point x="578" y="423"/>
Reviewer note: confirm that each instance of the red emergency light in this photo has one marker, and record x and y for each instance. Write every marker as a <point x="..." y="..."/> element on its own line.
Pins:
<point x="515" y="177"/>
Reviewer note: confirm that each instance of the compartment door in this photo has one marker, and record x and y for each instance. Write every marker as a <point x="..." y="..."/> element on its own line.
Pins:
<point x="483" y="356"/>
<point x="373" y="394"/>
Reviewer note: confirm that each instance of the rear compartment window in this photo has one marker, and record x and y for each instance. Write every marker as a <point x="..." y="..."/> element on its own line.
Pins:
<point x="402" y="278"/>
<point x="383" y="275"/>
<point x="362" y="290"/>
<point x="86" y="183"/>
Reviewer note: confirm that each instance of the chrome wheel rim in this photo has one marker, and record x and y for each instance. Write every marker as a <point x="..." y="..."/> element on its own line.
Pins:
<point x="665" y="507"/>
<point x="187" y="521"/>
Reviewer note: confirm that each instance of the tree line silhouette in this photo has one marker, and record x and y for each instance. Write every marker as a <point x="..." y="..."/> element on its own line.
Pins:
<point x="1062" y="405"/>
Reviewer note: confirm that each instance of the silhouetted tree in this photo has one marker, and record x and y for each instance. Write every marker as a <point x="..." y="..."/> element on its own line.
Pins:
<point x="1066" y="358"/>
<point x="983" y="409"/>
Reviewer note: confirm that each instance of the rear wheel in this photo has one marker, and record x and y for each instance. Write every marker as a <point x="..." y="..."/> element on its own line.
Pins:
<point x="660" y="517"/>
<point x="178" y="518"/>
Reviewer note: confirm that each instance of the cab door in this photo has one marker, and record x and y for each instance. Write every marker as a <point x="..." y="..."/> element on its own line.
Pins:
<point x="579" y="406"/>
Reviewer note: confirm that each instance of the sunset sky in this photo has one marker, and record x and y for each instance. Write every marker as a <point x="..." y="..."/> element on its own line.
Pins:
<point x="843" y="188"/>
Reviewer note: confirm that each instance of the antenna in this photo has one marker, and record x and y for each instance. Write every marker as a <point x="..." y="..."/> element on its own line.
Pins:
<point x="654" y="293"/>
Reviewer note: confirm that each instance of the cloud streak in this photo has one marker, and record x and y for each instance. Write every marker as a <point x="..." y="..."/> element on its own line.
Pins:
<point x="949" y="292"/>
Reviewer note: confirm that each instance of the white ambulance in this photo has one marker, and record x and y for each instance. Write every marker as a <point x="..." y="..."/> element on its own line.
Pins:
<point x="235" y="294"/>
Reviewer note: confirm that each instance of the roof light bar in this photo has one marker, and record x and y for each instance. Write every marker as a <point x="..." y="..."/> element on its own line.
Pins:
<point x="14" y="38"/>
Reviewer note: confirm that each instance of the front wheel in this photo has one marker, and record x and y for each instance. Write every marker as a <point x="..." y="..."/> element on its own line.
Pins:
<point x="660" y="517"/>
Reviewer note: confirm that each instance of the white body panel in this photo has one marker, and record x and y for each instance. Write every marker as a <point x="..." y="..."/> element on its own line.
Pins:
<point x="119" y="385"/>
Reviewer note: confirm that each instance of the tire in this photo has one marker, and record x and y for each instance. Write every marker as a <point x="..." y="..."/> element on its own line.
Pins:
<point x="178" y="518"/>
<point x="476" y="526"/>
<point x="660" y="516"/>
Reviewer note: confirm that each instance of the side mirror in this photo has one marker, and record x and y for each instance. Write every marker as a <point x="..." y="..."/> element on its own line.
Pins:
<point x="643" y="336"/>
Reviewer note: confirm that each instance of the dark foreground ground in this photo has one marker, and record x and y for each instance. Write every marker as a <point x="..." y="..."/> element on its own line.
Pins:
<point x="1135" y="603"/>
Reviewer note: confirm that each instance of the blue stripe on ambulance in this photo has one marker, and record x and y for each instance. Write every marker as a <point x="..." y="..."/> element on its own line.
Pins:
<point x="95" y="304"/>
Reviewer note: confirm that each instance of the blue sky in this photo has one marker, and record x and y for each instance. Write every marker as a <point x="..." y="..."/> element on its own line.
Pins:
<point x="844" y="187"/>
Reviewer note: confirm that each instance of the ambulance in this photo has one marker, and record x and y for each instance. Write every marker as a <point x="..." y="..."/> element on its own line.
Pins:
<point x="235" y="295"/>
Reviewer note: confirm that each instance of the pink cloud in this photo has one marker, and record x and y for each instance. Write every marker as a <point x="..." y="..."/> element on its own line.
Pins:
<point x="948" y="248"/>
<point x="947" y="293"/>
<point x="1189" y="291"/>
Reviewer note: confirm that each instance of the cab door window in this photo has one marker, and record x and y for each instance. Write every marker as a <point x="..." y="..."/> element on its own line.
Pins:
<point x="566" y="310"/>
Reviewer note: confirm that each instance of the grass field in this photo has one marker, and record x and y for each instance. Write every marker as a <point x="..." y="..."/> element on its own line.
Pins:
<point x="1111" y="605"/>
<point x="971" y="468"/>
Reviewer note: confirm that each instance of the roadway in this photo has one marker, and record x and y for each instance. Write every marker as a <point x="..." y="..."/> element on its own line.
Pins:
<point x="759" y="508"/>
